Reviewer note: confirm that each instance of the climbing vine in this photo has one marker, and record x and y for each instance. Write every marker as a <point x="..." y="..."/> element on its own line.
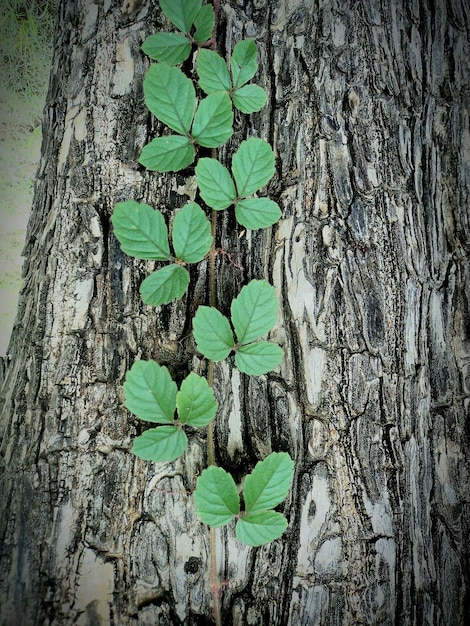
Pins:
<point x="197" y="109"/>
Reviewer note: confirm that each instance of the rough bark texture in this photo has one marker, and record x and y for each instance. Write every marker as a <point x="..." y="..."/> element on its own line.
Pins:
<point x="368" y="115"/>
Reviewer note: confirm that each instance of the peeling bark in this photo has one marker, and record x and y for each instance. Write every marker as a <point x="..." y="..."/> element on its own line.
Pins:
<point x="368" y="116"/>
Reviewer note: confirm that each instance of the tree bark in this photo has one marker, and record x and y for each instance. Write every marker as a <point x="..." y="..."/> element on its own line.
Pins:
<point x="368" y="116"/>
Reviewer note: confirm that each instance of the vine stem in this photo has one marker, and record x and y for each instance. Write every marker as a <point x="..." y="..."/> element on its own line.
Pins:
<point x="214" y="578"/>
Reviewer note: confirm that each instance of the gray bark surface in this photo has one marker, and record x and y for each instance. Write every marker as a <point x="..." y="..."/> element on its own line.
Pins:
<point x="368" y="116"/>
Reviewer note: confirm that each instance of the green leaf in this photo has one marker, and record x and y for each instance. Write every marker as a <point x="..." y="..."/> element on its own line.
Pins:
<point x="165" y="285"/>
<point x="204" y="23"/>
<point x="215" y="184"/>
<point x="257" y="213"/>
<point x="213" y="120"/>
<point x="254" y="311"/>
<point x="150" y="392"/>
<point x="252" y="166"/>
<point x="249" y="99"/>
<point x="212" y="333"/>
<point x="216" y="497"/>
<point x="181" y="12"/>
<point x="164" y="443"/>
<point x="269" y="483"/>
<point x="213" y="72"/>
<point x="195" y="401"/>
<point x="260" y="528"/>
<point x="170" y="48"/>
<point x="258" y="358"/>
<point x="243" y="62"/>
<point x="170" y="96"/>
<point x="191" y="234"/>
<point x="141" y="230"/>
<point x="167" y="154"/>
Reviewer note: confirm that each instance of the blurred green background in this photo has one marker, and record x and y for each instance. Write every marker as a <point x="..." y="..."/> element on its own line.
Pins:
<point x="26" y="33"/>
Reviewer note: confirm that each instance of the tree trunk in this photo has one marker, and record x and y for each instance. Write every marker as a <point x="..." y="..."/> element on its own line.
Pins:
<point x="368" y="116"/>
